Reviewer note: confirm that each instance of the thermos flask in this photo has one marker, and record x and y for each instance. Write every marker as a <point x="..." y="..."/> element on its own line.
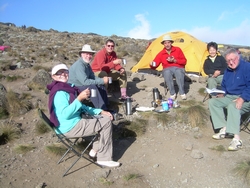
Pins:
<point x="156" y="94"/>
<point x="128" y="105"/>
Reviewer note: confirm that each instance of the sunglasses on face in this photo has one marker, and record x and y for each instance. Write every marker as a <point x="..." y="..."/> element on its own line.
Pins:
<point x="60" y="72"/>
<point x="112" y="46"/>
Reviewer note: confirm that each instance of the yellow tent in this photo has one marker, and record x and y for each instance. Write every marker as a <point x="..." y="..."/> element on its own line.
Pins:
<point x="194" y="50"/>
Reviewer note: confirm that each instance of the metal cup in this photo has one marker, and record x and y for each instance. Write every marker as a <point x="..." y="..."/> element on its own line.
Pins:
<point x="153" y="64"/>
<point x="124" y="62"/>
<point x="93" y="93"/>
<point x="110" y="80"/>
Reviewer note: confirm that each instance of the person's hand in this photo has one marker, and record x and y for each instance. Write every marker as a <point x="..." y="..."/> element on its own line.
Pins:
<point x="216" y="73"/>
<point x="171" y="59"/>
<point x="84" y="94"/>
<point x="105" y="79"/>
<point x="122" y="71"/>
<point x="107" y="114"/>
<point x="238" y="103"/>
<point x="117" y="61"/>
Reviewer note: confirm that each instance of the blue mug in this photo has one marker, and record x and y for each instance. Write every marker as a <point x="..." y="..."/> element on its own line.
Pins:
<point x="165" y="105"/>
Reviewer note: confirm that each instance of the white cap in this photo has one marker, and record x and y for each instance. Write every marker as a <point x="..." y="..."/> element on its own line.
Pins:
<point x="58" y="67"/>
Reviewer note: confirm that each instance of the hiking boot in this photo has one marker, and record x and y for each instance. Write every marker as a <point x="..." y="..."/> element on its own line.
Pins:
<point x="235" y="145"/>
<point x="220" y="135"/>
<point x="173" y="96"/>
<point x="184" y="97"/>
<point x="108" y="163"/>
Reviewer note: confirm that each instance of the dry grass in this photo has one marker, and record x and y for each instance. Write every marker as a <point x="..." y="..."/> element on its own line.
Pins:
<point x="12" y="78"/>
<point x="195" y="115"/>
<point x="201" y="91"/>
<point x="56" y="149"/>
<point x="161" y="117"/>
<point x="220" y="148"/>
<point x="243" y="170"/>
<point x="8" y="133"/>
<point x="131" y="176"/>
<point x="22" y="149"/>
<point x="41" y="128"/>
<point x="105" y="181"/>
<point x="138" y="126"/>
<point x="16" y="103"/>
<point x="38" y="67"/>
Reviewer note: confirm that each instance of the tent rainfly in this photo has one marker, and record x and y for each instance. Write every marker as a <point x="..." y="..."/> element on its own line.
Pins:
<point x="194" y="50"/>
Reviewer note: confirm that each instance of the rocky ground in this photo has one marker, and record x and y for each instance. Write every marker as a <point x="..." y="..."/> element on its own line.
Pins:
<point x="169" y="154"/>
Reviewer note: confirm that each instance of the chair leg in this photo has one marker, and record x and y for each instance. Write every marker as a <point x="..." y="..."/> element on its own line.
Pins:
<point x="244" y="125"/>
<point x="81" y="155"/>
<point x="70" y="148"/>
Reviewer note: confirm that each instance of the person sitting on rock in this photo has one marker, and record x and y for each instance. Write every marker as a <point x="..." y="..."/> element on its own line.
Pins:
<point x="106" y="63"/>
<point x="82" y="76"/>
<point x="65" y="109"/>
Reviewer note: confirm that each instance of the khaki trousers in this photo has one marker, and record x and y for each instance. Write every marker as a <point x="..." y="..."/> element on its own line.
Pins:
<point x="115" y="76"/>
<point x="104" y="145"/>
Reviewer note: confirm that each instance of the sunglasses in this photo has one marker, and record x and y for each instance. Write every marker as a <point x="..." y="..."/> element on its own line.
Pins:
<point x="61" y="72"/>
<point x="112" y="46"/>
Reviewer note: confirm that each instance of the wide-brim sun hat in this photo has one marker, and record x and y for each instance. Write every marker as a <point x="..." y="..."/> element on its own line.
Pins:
<point x="87" y="48"/>
<point x="167" y="37"/>
<point x="58" y="67"/>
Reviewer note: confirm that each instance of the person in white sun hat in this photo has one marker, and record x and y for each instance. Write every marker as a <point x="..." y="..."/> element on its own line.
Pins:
<point x="173" y="62"/>
<point x="81" y="74"/>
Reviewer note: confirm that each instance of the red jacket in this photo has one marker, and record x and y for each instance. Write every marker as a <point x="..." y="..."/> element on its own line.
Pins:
<point x="162" y="56"/>
<point x="104" y="61"/>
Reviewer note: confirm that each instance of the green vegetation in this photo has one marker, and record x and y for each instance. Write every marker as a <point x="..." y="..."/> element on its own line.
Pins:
<point x="242" y="170"/>
<point x="218" y="148"/>
<point x="56" y="149"/>
<point x="131" y="176"/>
<point x="8" y="133"/>
<point x="22" y="149"/>
<point x="105" y="181"/>
<point x="41" y="128"/>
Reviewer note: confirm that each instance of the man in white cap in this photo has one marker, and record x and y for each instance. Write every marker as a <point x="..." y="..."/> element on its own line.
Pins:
<point x="173" y="62"/>
<point x="82" y="76"/>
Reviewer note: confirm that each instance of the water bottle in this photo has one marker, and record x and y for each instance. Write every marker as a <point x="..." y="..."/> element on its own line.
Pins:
<point x="128" y="104"/>
<point x="170" y="103"/>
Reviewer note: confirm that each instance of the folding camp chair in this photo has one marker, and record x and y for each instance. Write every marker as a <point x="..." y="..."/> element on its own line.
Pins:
<point x="244" y="124"/>
<point x="70" y="145"/>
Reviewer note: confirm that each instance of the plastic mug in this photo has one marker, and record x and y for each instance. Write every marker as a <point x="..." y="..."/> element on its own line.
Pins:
<point x="165" y="105"/>
<point x="93" y="92"/>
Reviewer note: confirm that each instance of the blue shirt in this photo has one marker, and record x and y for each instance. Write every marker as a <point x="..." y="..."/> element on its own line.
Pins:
<point x="237" y="81"/>
<point x="69" y="114"/>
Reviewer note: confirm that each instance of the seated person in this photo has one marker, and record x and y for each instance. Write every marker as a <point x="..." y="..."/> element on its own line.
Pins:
<point x="173" y="62"/>
<point x="106" y="63"/>
<point x="65" y="112"/>
<point x="236" y="100"/>
<point x="214" y="66"/>
<point x="82" y="76"/>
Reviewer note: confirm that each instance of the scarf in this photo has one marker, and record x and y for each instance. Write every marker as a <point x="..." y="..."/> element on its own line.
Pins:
<point x="59" y="86"/>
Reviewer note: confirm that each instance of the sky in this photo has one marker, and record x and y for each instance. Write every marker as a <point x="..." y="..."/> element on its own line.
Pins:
<point x="221" y="21"/>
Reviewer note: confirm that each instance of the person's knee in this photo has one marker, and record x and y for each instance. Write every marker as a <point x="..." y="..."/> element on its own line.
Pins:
<point x="101" y="74"/>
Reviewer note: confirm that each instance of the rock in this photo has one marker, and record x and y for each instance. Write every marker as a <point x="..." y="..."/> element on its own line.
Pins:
<point x="196" y="154"/>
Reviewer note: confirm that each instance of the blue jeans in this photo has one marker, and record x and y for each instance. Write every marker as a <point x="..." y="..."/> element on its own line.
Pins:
<point x="179" y="74"/>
